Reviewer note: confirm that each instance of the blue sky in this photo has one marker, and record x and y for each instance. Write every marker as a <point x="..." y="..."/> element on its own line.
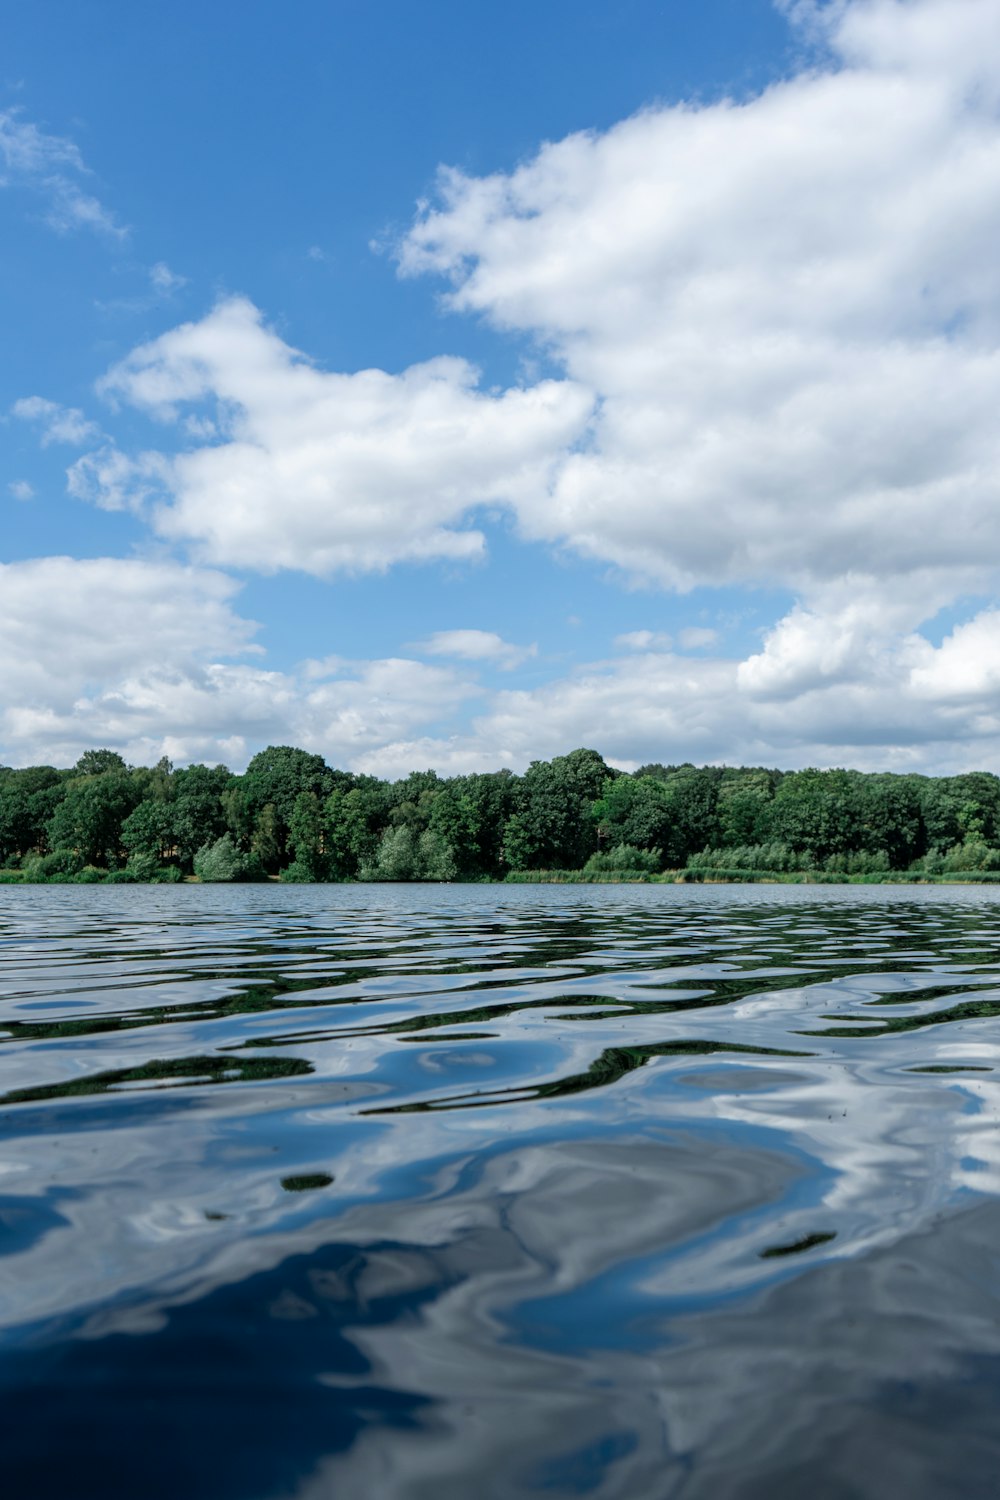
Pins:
<point x="454" y="385"/>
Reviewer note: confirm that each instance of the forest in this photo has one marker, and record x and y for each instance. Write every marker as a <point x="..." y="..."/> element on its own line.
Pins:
<point x="292" y="817"/>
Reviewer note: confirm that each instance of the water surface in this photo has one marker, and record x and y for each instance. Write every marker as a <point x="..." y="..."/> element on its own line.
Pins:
<point x="491" y="1191"/>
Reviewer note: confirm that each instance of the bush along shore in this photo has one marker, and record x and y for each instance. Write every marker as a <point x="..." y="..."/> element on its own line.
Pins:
<point x="573" y="819"/>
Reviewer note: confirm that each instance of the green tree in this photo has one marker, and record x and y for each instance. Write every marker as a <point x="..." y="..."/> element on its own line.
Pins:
<point x="219" y="861"/>
<point x="397" y="857"/>
<point x="819" y="812"/>
<point x="406" y="855"/>
<point x="743" y="807"/>
<point x="891" y="818"/>
<point x="266" y="796"/>
<point x="199" y="814"/>
<point x="268" y="840"/>
<point x="28" y="799"/>
<point x="99" y="762"/>
<point x="551" y="827"/>
<point x="636" y="811"/>
<point x="305" y="835"/>
<point x="90" y="817"/>
<point x="149" y="831"/>
<point x="353" y="824"/>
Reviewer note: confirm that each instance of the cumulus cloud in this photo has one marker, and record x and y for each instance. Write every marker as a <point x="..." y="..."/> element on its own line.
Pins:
<point x="21" y="489"/>
<point x="787" y="307"/>
<point x="476" y="645"/>
<point x="59" y="424"/>
<point x="906" y="705"/>
<point x="321" y="471"/>
<point x="64" y="618"/>
<point x="145" y="656"/>
<point x="52" y="167"/>
<point x="153" y="658"/>
<point x="775" y="327"/>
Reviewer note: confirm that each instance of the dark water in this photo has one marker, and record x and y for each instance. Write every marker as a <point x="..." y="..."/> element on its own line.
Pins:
<point x="418" y="1192"/>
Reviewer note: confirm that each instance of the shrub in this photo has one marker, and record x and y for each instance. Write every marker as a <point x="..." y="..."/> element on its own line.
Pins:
<point x="60" y="862"/>
<point x="219" y="861"/>
<point x="403" y="856"/>
<point x="625" y="858"/>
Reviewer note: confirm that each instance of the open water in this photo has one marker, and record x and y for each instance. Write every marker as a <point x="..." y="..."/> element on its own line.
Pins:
<point x="416" y="1193"/>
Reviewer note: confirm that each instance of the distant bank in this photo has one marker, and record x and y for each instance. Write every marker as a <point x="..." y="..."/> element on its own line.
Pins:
<point x="573" y="819"/>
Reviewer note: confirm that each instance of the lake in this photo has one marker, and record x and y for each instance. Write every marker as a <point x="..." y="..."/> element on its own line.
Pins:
<point x="417" y="1192"/>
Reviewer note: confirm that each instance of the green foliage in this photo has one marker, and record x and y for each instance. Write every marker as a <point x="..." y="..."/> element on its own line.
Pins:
<point x="470" y="813"/>
<point x="267" y="842"/>
<point x="353" y="821"/>
<point x="99" y="762"/>
<point x="261" y="807"/>
<point x="743" y="806"/>
<point x="305" y="835"/>
<point x="91" y="815"/>
<point x="143" y="867"/>
<point x="405" y="855"/>
<point x="396" y="858"/>
<point x="773" y="856"/>
<point x="552" y="825"/>
<point x="197" y="810"/>
<point x="972" y="854"/>
<point x="61" y="862"/>
<point x="624" y="857"/>
<point x="435" y="858"/>
<point x="28" y="799"/>
<point x="572" y="818"/>
<point x="219" y="861"/>
<point x="148" y="832"/>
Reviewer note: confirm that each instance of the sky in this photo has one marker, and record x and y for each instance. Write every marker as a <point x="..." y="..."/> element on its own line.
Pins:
<point x="455" y="385"/>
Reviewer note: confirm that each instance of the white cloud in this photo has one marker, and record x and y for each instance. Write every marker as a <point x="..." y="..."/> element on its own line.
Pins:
<point x="21" y="489"/>
<point x="163" y="280"/>
<point x="324" y="471"/>
<point x="145" y="656"/>
<point x="113" y="481"/>
<point x="697" y="637"/>
<point x="966" y="666"/>
<point x="778" y="324"/>
<point x="81" y="619"/>
<point x="51" y="166"/>
<point x="850" y="686"/>
<point x="83" y="644"/>
<point x="138" y="655"/>
<point x="59" y="424"/>
<point x="787" y="306"/>
<point x="644" y="640"/>
<point x="476" y="645"/>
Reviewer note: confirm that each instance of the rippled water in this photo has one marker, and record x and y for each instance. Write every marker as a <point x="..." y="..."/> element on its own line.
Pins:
<point x="476" y="1191"/>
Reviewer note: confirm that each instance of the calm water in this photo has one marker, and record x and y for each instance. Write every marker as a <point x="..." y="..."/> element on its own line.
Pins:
<point x="634" y="1192"/>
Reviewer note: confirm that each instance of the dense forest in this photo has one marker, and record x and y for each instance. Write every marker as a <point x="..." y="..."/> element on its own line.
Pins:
<point x="292" y="816"/>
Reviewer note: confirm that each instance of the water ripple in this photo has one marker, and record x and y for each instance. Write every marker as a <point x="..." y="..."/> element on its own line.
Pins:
<point x="371" y="1190"/>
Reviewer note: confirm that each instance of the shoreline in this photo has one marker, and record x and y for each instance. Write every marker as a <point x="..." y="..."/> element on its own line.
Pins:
<point x="12" y="878"/>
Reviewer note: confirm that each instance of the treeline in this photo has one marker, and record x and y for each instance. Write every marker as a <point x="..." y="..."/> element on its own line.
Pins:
<point x="292" y="816"/>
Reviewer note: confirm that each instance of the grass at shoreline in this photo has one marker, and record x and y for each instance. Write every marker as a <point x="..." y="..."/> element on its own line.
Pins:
<point x="622" y="877"/>
<point x="751" y="877"/>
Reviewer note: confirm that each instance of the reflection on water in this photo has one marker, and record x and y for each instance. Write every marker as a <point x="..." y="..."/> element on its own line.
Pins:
<point x="619" y="1192"/>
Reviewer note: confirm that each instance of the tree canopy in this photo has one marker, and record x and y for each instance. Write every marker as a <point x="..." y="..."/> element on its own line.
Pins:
<point x="292" y="816"/>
